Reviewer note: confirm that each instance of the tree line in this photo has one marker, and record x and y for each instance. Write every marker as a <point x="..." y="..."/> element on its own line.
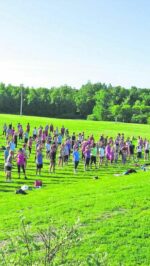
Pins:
<point x="92" y="101"/>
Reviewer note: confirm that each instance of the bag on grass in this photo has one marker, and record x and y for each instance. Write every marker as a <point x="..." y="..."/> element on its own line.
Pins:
<point x="37" y="183"/>
<point x="20" y="191"/>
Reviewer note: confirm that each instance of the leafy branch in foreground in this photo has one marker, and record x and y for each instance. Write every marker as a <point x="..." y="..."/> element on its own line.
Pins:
<point x="46" y="247"/>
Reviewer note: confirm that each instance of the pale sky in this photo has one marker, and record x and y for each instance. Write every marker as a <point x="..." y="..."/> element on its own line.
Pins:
<point x="51" y="43"/>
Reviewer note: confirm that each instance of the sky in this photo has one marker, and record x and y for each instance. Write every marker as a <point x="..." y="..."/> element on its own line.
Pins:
<point x="45" y="43"/>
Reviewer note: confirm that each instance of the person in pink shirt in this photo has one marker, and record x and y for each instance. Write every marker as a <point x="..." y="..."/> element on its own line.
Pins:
<point x="21" y="162"/>
<point x="111" y="155"/>
<point x="43" y="137"/>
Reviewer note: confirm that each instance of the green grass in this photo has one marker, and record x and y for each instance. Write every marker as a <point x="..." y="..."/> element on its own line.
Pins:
<point x="114" y="211"/>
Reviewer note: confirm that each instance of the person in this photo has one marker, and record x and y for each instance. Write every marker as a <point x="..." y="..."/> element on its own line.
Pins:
<point x="51" y="128"/>
<point x="73" y="138"/>
<point x="20" y="131"/>
<point x="6" y="152"/>
<point x="28" y="128"/>
<point x="131" y="150"/>
<point x="12" y="146"/>
<point x="4" y="129"/>
<point x="30" y="145"/>
<point x="76" y="158"/>
<point x="87" y="154"/>
<point x="108" y="152"/>
<point x="21" y="162"/>
<point x="146" y="150"/>
<point x="8" y="166"/>
<point x="116" y="152"/>
<point x="39" y="161"/>
<point x="9" y="133"/>
<point x="101" y="154"/>
<point x="59" y="139"/>
<point x="43" y="137"/>
<point x="61" y="155"/>
<point x="66" y="153"/>
<point x="56" y="131"/>
<point x="124" y="153"/>
<point x="111" y="156"/>
<point x="48" y="148"/>
<point x="93" y="155"/>
<point x="139" y="151"/>
<point x="66" y="133"/>
<point x="24" y="150"/>
<point x="34" y="133"/>
<point x="26" y="137"/>
<point x="52" y="158"/>
<point x="46" y="130"/>
<point x="15" y="138"/>
<point x="62" y="130"/>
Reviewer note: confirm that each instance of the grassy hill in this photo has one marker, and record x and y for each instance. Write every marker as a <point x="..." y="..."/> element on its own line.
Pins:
<point x="113" y="211"/>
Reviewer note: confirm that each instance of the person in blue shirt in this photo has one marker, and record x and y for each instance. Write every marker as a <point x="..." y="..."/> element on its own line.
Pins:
<point x="12" y="146"/>
<point x="39" y="161"/>
<point x="6" y="153"/>
<point x="59" y="139"/>
<point x="76" y="158"/>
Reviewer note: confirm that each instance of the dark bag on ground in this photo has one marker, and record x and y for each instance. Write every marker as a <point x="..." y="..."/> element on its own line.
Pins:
<point x="20" y="191"/>
<point x="130" y="171"/>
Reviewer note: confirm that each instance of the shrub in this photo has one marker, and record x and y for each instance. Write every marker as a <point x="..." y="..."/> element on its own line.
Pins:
<point x="46" y="247"/>
<point x="148" y="120"/>
<point x="142" y="119"/>
<point x="92" y="117"/>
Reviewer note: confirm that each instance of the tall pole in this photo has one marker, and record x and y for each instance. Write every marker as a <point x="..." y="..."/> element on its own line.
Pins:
<point x="21" y="98"/>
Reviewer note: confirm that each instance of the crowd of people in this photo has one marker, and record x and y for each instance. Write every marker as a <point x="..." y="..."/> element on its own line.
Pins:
<point x="58" y="146"/>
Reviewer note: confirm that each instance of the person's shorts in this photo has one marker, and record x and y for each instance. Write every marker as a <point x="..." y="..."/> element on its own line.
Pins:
<point x="139" y="155"/>
<point x="147" y="151"/>
<point x="20" y="136"/>
<point x="76" y="164"/>
<point x="66" y="158"/>
<point x="19" y="167"/>
<point x="101" y="157"/>
<point x="8" y="168"/>
<point x="93" y="159"/>
<point x="131" y="153"/>
<point x="39" y="166"/>
<point x="25" y="140"/>
<point x="87" y="161"/>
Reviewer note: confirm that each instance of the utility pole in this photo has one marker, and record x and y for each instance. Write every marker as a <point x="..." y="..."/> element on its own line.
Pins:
<point x="21" y="98"/>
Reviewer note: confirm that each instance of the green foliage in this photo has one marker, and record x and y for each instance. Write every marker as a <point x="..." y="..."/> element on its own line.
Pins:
<point x="92" y="117"/>
<point x="45" y="247"/>
<point x="92" y="101"/>
<point x="141" y="118"/>
<point x="148" y="120"/>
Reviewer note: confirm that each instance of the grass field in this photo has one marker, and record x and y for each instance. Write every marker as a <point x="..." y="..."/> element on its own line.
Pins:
<point x="114" y="212"/>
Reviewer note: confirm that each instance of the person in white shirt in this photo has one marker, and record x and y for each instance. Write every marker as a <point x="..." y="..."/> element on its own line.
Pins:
<point x="146" y="150"/>
<point x="139" y="151"/>
<point x="101" y="155"/>
<point x="34" y="133"/>
<point x="48" y="148"/>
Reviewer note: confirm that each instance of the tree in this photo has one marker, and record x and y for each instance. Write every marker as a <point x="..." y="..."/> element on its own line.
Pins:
<point x="125" y="113"/>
